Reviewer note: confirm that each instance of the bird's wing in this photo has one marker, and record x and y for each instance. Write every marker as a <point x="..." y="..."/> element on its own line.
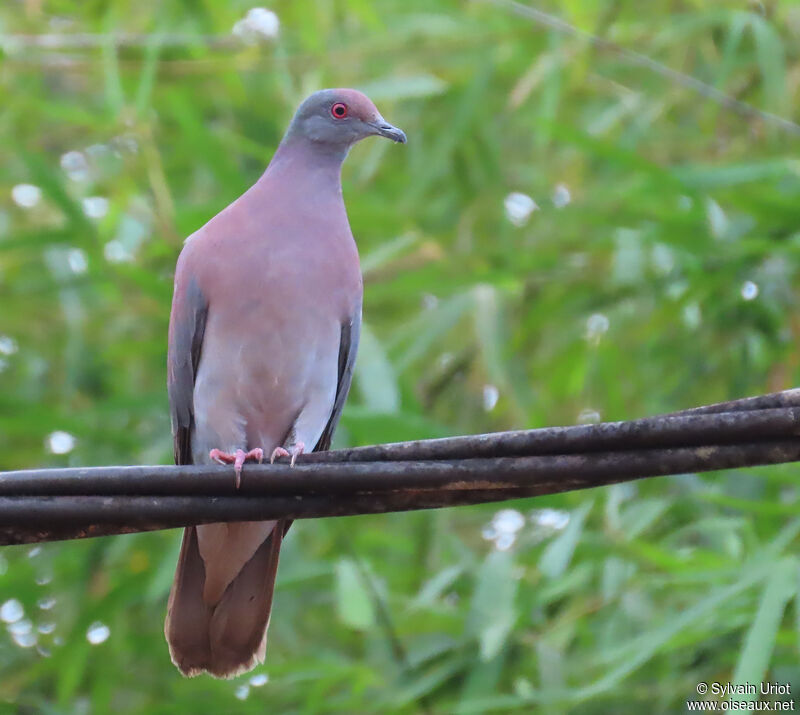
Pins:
<point x="186" y="328"/>
<point x="348" y="347"/>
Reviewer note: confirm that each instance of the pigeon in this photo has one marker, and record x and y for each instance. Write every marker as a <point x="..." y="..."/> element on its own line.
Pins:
<point x="263" y="334"/>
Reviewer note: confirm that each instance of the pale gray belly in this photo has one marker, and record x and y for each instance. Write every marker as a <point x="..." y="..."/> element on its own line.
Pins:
<point x="258" y="387"/>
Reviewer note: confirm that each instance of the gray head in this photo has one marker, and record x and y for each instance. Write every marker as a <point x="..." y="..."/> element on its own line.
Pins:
<point x="338" y="118"/>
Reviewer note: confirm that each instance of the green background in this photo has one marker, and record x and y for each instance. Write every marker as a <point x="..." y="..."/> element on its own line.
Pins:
<point x="637" y="296"/>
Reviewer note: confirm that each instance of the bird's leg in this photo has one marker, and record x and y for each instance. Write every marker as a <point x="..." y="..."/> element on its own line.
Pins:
<point x="296" y="449"/>
<point x="238" y="458"/>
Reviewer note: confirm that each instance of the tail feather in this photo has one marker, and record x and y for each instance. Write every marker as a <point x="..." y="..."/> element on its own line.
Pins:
<point x="226" y="549"/>
<point x="186" y="626"/>
<point x="228" y="637"/>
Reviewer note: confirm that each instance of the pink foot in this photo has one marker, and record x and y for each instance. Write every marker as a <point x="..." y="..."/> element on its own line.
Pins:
<point x="297" y="448"/>
<point x="238" y="458"/>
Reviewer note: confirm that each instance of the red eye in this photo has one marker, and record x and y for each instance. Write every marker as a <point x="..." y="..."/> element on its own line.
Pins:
<point x="339" y="110"/>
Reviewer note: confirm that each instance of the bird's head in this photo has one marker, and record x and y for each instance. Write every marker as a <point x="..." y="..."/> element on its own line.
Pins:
<point x="341" y="117"/>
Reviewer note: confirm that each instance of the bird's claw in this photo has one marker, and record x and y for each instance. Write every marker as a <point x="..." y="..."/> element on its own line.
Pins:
<point x="238" y="458"/>
<point x="297" y="449"/>
<point x="278" y="452"/>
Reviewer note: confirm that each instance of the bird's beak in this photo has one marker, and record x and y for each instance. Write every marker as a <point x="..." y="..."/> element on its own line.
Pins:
<point x="384" y="129"/>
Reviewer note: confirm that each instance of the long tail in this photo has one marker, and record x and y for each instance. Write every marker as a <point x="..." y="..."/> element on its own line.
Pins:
<point x="219" y="606"/>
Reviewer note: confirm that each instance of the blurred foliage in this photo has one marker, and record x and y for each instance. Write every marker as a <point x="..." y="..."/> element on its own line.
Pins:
<point x="655" y="270"/>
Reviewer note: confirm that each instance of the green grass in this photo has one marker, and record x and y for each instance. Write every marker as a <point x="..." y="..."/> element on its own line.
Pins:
<point x="676" y="203"/>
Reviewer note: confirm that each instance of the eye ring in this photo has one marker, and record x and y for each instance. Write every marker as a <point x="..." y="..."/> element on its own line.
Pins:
<point x="339" y="110"/>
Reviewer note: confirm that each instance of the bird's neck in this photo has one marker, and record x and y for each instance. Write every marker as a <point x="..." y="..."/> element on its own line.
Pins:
<point x="306" y="165"/>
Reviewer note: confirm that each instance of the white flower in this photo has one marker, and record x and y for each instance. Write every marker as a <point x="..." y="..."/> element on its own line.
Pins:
<point x="258" y="24"/>
<point x="60" y="442"/>
<point x="95" y="206"/>
<point x="98" y="633"/>
<point x="596" y="326"/>
<point x="503" y="528"/>
<point x="242" y="692"/>
<point x="26" y="196"/>
<point x="11" y="611"/>
<point x="8" y="346"/>
<point x="550" y="519"/>
<point x="519" y="208"/>
<point x="75" y="165"/>
<point x="561" y="196"/>
<point x="490" y="396"/>
<point x="77" y="261"/>
<point x="749" y="290"/>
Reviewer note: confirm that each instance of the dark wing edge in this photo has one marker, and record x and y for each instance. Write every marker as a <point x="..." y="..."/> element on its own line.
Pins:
<point x="348" y="347"/>
<point x="186" y="328"/>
